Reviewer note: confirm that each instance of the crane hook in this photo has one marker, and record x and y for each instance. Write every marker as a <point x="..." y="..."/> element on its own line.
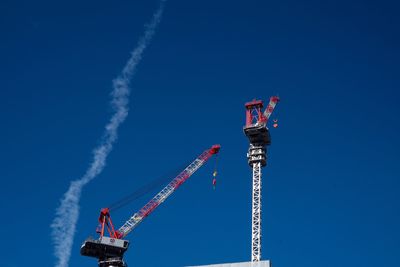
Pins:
<point x="275" y="123"/>
<point x="214" y="180"/>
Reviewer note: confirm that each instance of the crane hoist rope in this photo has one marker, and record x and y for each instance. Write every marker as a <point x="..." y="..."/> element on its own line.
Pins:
<point x="215" y="172"/>
<point x="144" y="190"/>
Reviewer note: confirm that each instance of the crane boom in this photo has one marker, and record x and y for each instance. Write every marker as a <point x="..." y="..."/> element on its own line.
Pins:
<point x="138" y="217"/>
<point x="271" y="105"/>
<point x="110" y="250"/>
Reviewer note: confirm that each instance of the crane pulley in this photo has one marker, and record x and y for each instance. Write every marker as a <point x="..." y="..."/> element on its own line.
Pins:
<point x="109" y="250"/>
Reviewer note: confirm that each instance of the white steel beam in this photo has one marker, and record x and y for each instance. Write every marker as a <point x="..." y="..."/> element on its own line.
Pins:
<point x="256" y="214"/>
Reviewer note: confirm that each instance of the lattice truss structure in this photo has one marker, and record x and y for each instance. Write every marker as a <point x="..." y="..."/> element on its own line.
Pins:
<point x="258" y="134"/>
<point x="256" y="214"/>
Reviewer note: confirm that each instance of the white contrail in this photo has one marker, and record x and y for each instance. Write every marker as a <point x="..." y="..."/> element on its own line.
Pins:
<point x="64" y="223"/>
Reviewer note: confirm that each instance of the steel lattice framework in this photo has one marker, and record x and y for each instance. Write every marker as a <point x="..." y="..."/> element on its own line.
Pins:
<point x="256" y="214"/>
<point x="257" y="132"/>
<point x="138" y="217"/>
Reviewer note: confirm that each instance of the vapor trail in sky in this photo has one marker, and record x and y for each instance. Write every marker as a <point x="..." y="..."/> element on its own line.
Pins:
<point x="64" y="223"/>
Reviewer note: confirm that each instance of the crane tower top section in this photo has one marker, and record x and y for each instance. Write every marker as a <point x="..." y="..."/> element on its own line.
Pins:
<point x="256" y="121"/>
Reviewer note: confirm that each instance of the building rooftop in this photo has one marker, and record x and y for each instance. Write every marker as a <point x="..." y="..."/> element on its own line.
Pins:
<point x="266" y="263"/>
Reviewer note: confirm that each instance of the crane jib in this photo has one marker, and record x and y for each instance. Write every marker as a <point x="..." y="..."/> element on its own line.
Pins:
<point x="138" y="217"/>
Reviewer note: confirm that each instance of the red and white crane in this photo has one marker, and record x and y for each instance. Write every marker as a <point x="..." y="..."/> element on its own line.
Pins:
<point x="257" y="132"/>
<point x="109" y="250"/>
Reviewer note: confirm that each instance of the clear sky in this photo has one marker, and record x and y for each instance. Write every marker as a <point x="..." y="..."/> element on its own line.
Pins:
<point x="331" y="189"/>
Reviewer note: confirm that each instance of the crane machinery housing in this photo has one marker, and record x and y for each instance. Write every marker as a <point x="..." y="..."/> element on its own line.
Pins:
<point x="259" y="137"/>
<point x="109" y="250"/>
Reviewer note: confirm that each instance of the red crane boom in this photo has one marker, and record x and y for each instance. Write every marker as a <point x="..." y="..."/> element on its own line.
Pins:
<point x="109" y="250"/>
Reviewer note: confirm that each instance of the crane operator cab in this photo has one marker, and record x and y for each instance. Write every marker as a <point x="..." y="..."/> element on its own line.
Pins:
<point x="108" y="250"/>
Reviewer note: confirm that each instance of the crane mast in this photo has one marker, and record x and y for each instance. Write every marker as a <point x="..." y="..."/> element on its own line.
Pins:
<point x="259" y="137"/>
<point x="109" y="250"/>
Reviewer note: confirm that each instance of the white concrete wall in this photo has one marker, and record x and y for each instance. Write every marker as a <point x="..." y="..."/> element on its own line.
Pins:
<point x="239" y="264"/>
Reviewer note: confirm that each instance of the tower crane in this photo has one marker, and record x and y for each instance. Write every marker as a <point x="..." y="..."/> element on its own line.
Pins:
<point x="109" y="250"/>
<point x="259" y="137"/>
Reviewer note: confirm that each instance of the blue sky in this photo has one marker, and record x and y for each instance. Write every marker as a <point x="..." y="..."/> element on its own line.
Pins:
<point x="330" y="195"/>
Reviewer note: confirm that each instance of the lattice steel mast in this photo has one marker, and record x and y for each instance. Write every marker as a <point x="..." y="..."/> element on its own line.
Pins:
<point x="257" y="132"/>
